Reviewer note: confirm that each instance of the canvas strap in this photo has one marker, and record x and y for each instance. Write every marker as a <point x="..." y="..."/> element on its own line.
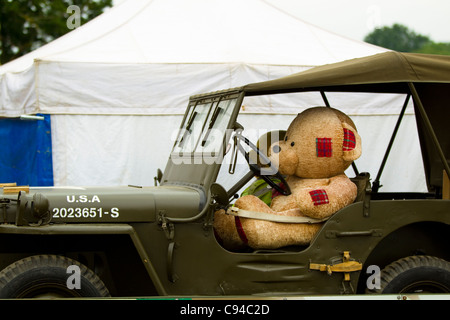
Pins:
<point x="240" y="230"/>
<point x="234" y="211"/>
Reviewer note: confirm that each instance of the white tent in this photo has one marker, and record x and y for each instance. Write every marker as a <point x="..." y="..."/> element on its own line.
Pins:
<point x="116" y="87"/>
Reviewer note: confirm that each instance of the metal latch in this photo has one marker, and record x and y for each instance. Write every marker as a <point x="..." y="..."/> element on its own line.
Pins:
<point x="346" y="266"/>
<point x="168" y="227"/>
<point x="169" y="231"/>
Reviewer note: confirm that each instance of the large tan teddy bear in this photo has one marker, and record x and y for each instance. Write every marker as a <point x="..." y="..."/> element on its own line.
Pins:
<point x="320" y="144"/>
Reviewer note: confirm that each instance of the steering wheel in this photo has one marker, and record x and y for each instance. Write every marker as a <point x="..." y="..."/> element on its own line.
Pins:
<point x="265" y="173"/>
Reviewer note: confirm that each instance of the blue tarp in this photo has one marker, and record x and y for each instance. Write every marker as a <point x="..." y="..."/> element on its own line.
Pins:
<point x="26" y="152"/>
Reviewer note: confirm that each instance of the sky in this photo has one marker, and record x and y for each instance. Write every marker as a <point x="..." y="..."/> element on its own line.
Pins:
<point x="357" y="18"/>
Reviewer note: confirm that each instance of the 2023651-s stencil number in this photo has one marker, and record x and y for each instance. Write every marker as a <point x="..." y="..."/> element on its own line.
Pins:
<point x="84" y="213"/>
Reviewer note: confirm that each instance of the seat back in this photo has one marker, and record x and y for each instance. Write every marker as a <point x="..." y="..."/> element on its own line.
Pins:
<point x="362" y="182"/>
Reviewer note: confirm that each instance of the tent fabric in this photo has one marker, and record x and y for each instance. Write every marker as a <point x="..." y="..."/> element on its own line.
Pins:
<point x="111" y="150"/>
<point x="17" y="94"/>
<point x="27" y="157"/>
<point x="137" y="89"/>
<point x="198" y="31"/>
<point x="147" y="57"/>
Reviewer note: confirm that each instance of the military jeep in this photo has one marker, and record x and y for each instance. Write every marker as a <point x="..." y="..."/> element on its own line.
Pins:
<point x="160" y="241"/>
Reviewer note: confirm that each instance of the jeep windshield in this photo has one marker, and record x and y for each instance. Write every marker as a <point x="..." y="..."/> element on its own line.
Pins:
<point x="203" y="129"/>
<point x="199" y="146"/>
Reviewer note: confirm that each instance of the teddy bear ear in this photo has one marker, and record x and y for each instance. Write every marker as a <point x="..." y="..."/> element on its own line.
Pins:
<point x="351" y="146"/>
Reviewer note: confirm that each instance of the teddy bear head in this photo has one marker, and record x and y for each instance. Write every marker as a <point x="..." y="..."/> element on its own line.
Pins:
<point x="320" y="142"/>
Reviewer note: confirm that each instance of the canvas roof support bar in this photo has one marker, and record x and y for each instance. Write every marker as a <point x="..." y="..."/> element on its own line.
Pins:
<point x="327" y="103"/>
<point x="428" y="127"/>
<point x="376" y="182"/>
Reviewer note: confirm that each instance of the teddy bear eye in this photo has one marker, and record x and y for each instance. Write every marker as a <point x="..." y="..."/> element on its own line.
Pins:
<point x="285" y="138"/>
<point x="292" y="143"/>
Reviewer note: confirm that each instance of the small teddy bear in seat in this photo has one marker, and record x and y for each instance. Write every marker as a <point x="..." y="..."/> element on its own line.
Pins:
<point x="320" y="144"/>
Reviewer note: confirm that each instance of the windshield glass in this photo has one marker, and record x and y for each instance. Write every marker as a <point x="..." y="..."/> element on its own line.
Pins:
<point x="204" y="127"/>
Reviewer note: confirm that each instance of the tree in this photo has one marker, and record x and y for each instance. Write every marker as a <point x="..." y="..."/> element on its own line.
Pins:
<point x="435" y="48"/>
<point x="398" y="38"/>
<point x="25" y="25"/>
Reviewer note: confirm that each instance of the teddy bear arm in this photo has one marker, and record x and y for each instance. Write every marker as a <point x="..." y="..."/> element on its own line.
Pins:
<point x="252" y="203"/>
<point x="322" y="202"/>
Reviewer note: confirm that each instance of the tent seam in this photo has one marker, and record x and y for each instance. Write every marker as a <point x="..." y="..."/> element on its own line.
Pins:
<point x="36" y="84"/>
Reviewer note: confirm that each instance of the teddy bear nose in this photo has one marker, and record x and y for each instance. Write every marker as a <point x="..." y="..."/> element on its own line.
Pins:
<point x="276" y="149"/>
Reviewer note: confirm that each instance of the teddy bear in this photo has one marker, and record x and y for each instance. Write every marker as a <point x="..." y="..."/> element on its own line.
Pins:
<point x="319" y="145"/>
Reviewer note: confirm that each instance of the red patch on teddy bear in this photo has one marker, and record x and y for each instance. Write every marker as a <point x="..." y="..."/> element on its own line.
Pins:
<point x="323" y="147"/>
<point x="349" y="140"/>
<point x="319" y="197"/>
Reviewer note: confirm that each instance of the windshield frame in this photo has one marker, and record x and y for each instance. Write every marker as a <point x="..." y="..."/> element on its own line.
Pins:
<point x="197" y="166"/>
<point x="204" y="127"/>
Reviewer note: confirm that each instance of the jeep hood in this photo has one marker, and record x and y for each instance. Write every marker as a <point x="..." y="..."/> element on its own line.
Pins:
<point x="100" y="204"/>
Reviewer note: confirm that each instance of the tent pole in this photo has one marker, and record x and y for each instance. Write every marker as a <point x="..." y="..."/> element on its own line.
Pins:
<point x="428" y="127"/>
